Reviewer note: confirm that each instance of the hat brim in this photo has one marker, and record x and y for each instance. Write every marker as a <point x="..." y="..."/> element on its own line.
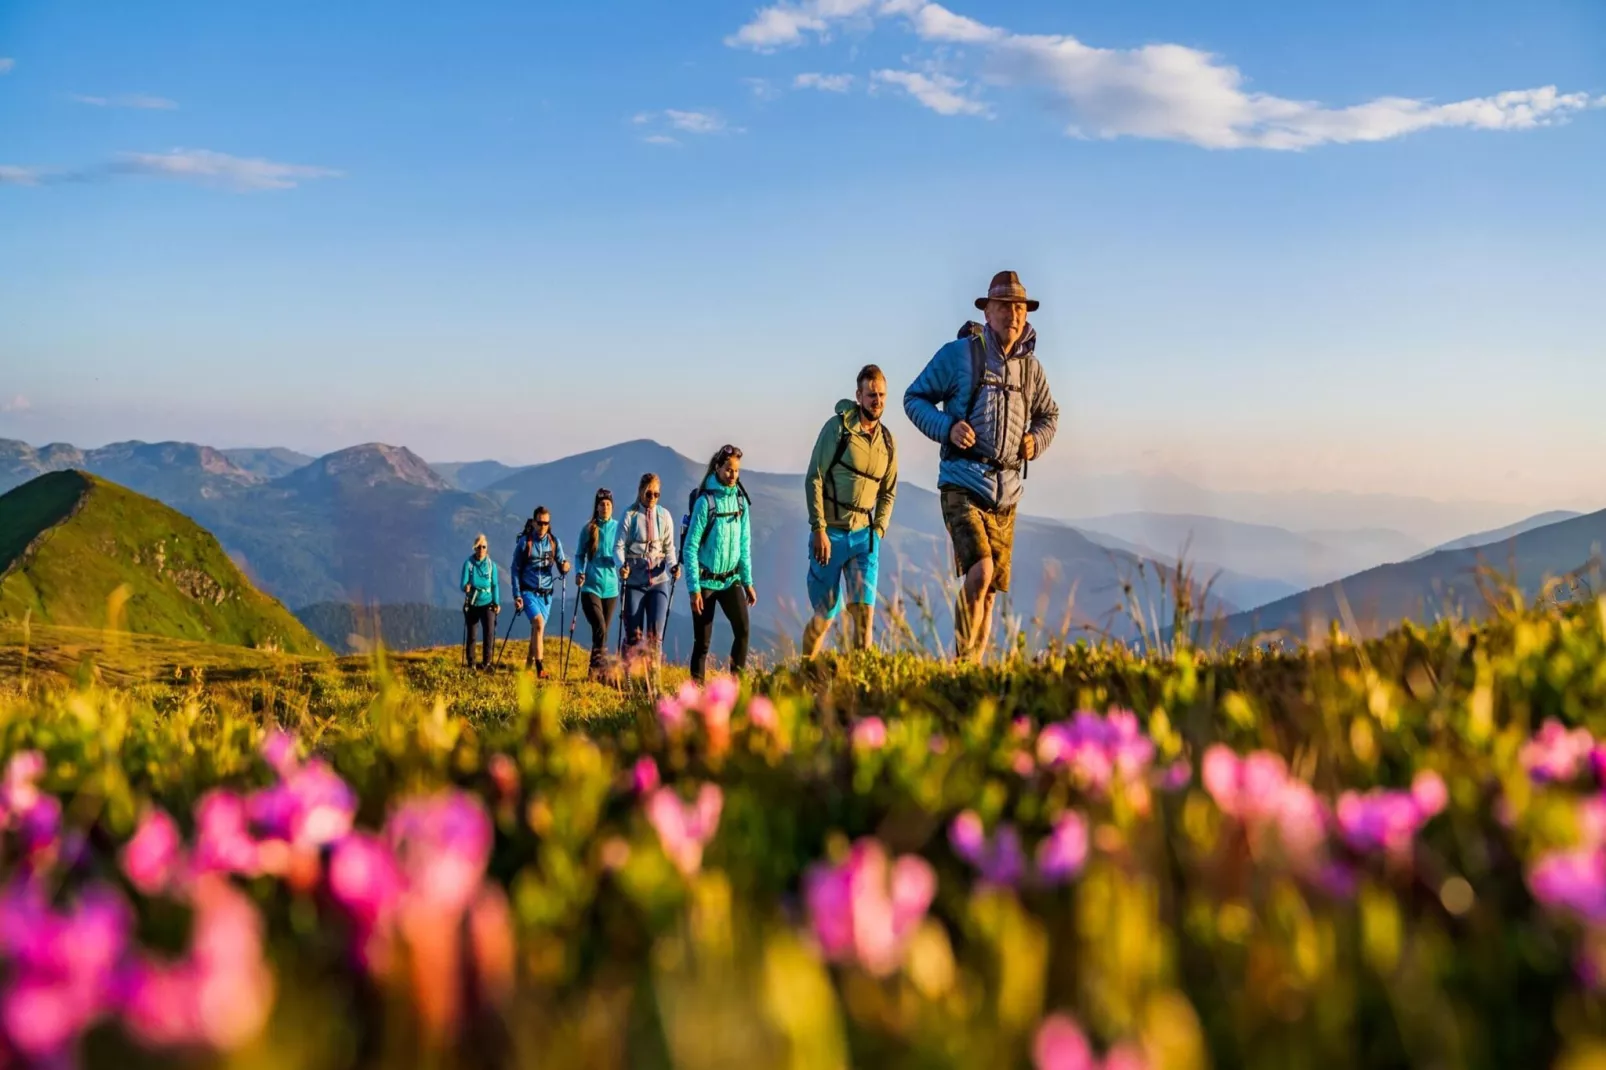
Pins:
<point x="1030" y="302"/>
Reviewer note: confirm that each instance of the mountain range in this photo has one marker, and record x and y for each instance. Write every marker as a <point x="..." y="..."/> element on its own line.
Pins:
<point x="377" y="525"/>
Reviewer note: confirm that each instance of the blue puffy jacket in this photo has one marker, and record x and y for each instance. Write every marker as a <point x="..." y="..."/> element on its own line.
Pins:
<point x="600" y="567"/>
<point x="535" y="564"/>
<point x="1014" y="401"/>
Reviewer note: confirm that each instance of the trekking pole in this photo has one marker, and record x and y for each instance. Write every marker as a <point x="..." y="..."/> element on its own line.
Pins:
<point x="513" y="618"/>
<point x="572" y="622"/>
<point x="663" y="633"/>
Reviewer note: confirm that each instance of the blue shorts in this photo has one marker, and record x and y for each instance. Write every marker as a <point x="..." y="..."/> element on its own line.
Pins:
<point x="537" y="605"/>
<point x="855" y="558"/>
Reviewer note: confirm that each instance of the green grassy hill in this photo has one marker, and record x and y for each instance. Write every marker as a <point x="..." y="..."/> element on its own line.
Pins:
<point x="70" y="541"/>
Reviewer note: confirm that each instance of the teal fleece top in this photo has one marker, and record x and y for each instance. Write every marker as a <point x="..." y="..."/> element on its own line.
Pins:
<point x="729" y="546"/>
<point x="482" y="576"/>
<point x="601" y="568"/>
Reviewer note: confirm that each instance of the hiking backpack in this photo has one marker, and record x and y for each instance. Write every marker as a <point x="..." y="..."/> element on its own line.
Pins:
<point x="827" y="485"/>
<point x="691" y="503"/>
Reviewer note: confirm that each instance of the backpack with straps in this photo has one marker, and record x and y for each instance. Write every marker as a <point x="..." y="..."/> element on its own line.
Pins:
<point x="828" y="485"/>
<point x="742" y="499"/>
<point x="978" y="372"/>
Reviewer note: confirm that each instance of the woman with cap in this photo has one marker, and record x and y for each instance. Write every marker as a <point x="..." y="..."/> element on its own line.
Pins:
<point x="646" y="552"/>
<point x="597" y="574"/>
<point x="482" y="600"/>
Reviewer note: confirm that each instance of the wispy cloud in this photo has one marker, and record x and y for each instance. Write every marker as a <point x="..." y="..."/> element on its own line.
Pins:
<point x="762" y="88"/>
<point x="11" y="175"/>
<point x="220" y="169"/>
<point x="126" y="100"/>
<point x="939" y="92"/>
<point x="1161" y="91"/>
<point x="829" y="83"/>
<point x="6" y="63"/>
<point x="695" y="122"/>
<point x="16" y="403"/>
<point x="661" y="139"/>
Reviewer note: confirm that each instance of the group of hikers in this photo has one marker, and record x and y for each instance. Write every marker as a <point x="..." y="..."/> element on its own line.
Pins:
<point x="983" y="396"/>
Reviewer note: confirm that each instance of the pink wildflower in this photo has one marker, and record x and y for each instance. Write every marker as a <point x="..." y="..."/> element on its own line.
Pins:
<point x="1572" y="881"/>
<point x="761" y="713"/>
<point x="278" y="749"/>
<point x="1061" y="1045"/>
<point x="1061" y="854"/>
<point x="1556" y="754"/>
<point x="504" y="774"/>
<point x="684" y="829"/>
<point x="1097" y="750"/>
<point x="999" y="858"/>
<point x="63" y="976"/>
<point x="223" y="840"/>
<point x="644" y="775"/>
<point x="1258" y="791"/>
<point x="870" y="734"/>
<point x="441" y="844"/>
<point x="865" y="910"/>
<point x="153" y="856"/>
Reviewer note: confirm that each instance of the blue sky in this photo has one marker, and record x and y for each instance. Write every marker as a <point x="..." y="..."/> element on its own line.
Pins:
<point x="1351" y="245"/>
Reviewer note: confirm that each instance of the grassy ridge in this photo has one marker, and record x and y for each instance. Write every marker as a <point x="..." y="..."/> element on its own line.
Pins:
<point x="103" y="555"/>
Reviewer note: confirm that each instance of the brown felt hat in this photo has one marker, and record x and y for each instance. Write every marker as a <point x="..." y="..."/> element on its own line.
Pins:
<point x="1006" y="286"/>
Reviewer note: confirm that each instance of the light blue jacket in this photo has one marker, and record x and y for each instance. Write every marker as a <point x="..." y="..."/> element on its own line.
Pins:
<point x="632" y="547"/>
<point x="1015" y="401"/>
<point x="726" y="556"/>
<point x="482" y="576"/>
<point x="601" y="568"/>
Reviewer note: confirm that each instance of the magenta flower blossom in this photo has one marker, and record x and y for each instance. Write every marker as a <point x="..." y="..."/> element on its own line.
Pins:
<point x="19" y="791"/>
<point x="278" y="749"/>
<point x="1060" y="1045"/>
<point x="1572" y="881"/>
<point x="154" y="855"/>
<point x="1387" y="820"/>
<point x="1555" y="754"/>
<point x="218" y="995"/>
<point x="1177" y="775"/>
<point x="504" y="773"/>
<point x="865" y="910"/>
<point x="719" y="699"/>
<point x="870" y="734"/>
<point x="1097" y="750"/>
<point x="311" y="807"/>
<point x="364" y="878"/>
<point x="671" y="714"/>
<point x="223" y="840"/>
<point x="64" y="966"/>
<point x="761" y="712"/>
<point x="684" y="829"/>
<point x="1062" y="853"/>
<point x="644" y="775"/>
<point x="441" y="843"/>
<point x="999" y="859"/>
<point x="1258" y="791"/>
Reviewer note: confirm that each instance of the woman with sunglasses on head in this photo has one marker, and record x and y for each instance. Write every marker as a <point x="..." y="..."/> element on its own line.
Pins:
<point x="719" y="556"/>
<point x="538" y="561"/>
<point x="482" y="599"/>
<point x="646" y="552"/>
<point x="598" y="574"/>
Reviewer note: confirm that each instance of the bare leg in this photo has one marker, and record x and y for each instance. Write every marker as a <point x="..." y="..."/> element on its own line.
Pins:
<point x="814" y="635"/>
<point x="863" y="619"/>
<point x="973" y="614"/>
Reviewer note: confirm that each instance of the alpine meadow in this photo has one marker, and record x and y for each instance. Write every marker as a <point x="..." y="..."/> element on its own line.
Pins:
<point x="810" y="534"/>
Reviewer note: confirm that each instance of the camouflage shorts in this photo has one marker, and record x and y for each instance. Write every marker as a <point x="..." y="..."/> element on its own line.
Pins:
<point x="977" y="533"/>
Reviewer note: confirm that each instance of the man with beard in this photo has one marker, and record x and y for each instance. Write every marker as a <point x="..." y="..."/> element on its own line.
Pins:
<point x="985" y="398"/>
<point x="849" y="487"/>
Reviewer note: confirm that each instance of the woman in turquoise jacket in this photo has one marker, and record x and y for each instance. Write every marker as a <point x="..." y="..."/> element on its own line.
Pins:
<point x="482" y="599"/>
<point x="597" y="573"/>
<point x="719" y="558"/>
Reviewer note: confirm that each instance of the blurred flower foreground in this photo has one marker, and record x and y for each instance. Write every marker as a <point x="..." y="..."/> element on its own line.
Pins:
<point x="1390" y="854"/>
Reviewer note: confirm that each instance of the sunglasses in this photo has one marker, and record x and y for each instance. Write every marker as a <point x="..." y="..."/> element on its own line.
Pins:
<point x="543" y="523"/>
<point x="727" y="452"/>
<point x="650" y="495"/>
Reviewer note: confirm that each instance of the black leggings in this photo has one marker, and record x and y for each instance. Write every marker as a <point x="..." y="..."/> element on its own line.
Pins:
<point x="485" y="618"/>
<point x="599" y="614"/>
<point x="733" y="600"/>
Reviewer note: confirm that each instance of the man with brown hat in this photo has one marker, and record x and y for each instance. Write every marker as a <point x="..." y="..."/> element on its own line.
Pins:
<point x="985" y="398"/>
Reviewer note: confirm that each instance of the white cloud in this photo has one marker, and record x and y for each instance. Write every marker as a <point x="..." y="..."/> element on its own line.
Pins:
<point x="6" y="63"/>
<point x="127" y="100"/>
<point x="829" y="83"/>
<point x="786" y="23"/>
<point x="762" y="88"/>
<point x="1161" y="91"/>
<point x="660" y="139"/>
<point x="20" y="176"/>
<point x="936" y="91"/>
<point x="17" y="403"/>
<point x="220" y="169"/>
<point x="694" y="122"/>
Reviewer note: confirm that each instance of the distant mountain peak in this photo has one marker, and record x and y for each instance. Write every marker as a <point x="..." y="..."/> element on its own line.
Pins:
<point x="375" y="463"/>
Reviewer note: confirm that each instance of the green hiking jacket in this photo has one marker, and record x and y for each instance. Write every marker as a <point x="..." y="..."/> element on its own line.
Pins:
<point x="861" y="487"/>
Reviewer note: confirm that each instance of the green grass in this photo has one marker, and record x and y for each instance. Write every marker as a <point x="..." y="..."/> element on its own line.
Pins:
<point x="110" y="557"/>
